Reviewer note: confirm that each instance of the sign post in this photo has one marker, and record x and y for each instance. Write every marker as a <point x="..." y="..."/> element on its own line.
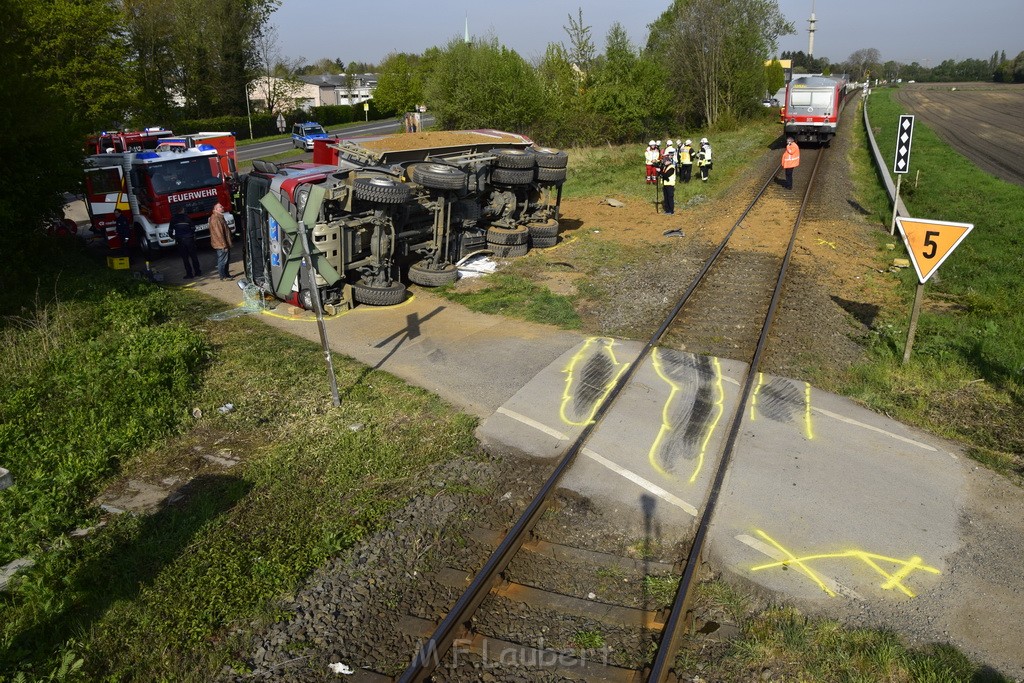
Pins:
<point x="928" y="243"/>
<point x="281" y="125"/>
<point x="366" y="110"/>
<point x="901" y="165"/>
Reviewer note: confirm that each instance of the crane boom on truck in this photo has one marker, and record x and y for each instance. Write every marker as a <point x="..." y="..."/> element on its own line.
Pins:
<point x="150" y="187"/>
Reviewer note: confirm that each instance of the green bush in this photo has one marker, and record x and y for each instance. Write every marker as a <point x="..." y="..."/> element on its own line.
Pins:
<point x="80" y="389"/>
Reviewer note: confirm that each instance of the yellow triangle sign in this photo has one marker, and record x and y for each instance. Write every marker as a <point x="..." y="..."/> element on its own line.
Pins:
<point x="930" y="242"/>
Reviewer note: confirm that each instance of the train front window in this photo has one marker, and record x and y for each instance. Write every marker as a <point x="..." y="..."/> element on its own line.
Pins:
<point x="821" y="98"/>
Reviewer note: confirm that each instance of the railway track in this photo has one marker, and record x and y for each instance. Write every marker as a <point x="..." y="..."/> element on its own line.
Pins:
<point x="632" y="633"/>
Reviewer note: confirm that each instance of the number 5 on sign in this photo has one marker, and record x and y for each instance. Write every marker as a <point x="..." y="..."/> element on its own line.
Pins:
<point x="928" y="244"/>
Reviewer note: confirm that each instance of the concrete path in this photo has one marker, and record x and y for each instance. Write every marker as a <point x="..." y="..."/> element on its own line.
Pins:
<point x="838" y="509"/>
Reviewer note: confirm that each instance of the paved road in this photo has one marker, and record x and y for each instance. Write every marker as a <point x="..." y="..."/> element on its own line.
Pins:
<point x="258" y="150"/>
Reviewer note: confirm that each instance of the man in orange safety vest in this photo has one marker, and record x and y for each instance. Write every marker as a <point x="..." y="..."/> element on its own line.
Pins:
<point x="790" y="160"/>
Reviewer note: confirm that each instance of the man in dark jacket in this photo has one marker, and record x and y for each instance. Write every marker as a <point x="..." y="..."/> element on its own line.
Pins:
<point x="183" y="231"/>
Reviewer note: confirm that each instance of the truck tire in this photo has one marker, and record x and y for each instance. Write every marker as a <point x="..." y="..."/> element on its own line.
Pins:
<point x="550" y="158"/>
<point x="517" y="235"/>
<point x="542" y="229"/>
<point x="379" y="296"/>
<point x="146" y="248"/>
<point x="555" y="176"/>
<point x="508" y="250"/>
<point x="514" y="158"/>
<point x="423" y="276"/>
<point x="381" y="190"/>
<point x="439" y="176"/>
<point x="512" y="176"/>
<point x="543" y="242"/>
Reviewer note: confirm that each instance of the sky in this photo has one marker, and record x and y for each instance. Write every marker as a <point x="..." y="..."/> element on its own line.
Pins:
<point x="922" y="31"/>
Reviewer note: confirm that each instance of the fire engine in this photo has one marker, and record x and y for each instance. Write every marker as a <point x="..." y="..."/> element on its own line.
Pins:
<point x="150" y="186"/>
<point x="376" y="213"/>
<point x="126" y="141"/>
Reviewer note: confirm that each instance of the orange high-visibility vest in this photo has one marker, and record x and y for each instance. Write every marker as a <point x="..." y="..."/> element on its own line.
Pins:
<point x="791" y="157"/>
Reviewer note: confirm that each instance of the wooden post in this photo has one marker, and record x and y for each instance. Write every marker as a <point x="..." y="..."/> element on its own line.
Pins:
<point x="918" y="297"/>
<point x="895" y="203"/>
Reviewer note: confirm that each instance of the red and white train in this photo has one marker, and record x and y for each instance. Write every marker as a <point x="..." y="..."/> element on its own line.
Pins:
<point x="811" y="110"/>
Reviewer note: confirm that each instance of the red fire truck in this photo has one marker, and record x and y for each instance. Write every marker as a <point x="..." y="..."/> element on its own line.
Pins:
<point x="126" y="141"/>
<point x="150" y="186"/>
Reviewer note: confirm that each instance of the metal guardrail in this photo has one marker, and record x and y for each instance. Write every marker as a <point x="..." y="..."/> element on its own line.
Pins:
<point x="883" y="168"/>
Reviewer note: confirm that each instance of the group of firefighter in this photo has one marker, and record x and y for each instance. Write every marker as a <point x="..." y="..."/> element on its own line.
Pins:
<point x="675" y="160"/>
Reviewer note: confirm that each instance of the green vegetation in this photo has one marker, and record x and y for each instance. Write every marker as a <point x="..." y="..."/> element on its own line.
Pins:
<point x="793" y="646"/>
<point x="966" y="375"/>
<point x="101" y="382"/>
<point x="588" y="640"/>
<point x="661" y="590"/>
<point x="517" y="297"/>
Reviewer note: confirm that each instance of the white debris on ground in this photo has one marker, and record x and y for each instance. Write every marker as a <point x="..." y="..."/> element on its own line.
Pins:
<point x="339" y="668"/>
<point x="478" y="265"/>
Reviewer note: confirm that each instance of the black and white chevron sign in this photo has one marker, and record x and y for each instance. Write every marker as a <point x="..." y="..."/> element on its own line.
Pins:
<point x="903" y="138"/>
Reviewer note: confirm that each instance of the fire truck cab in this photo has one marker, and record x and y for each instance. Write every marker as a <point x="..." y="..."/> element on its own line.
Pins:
<point x="126" y="141"/>
<point x="149" y="187"/>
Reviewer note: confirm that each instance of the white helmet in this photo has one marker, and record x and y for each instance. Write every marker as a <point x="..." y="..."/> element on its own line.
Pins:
<point x="689" y="142"/>
<point x="652" y="143"/>
<point x="679" y="143"/>
<point x="659" y="143"/>
<point x="703" y="141"/>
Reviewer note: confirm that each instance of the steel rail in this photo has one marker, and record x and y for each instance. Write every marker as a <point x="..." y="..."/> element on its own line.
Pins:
<point x="672" y="632"/>
<point x="429" y="655"/>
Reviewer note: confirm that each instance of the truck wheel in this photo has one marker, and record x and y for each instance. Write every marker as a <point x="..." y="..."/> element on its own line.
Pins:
<point x="508" y="250"/>
<point x="419" y="274"/>
<point x="542" y="229"/>
<point x="439" y="176"/>
<point x="146" y="248"/>
<point x="517" y="235"/>
<point x="543" y="242"/>
<point x="379" y="296"/>
<point x="551" y="175"/>
<point x="512" y="176"/>
<point x="514" y="158"/>
<point x="381" y="190"/>
<point x="550" y="158"/>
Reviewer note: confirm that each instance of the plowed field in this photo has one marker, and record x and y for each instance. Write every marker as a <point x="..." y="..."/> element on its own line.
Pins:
<point x="983" y="121"/>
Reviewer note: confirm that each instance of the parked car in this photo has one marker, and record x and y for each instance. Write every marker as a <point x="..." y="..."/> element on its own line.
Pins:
<point x="303" y="134"/>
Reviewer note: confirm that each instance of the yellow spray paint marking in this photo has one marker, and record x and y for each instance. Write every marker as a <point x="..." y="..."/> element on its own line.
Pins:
<point x="668" y="426"/>
<point x="571" y="370"/>
<point x="891" y="580"/>
<point x="753" y="396"/>
<point x="808" y="430"/>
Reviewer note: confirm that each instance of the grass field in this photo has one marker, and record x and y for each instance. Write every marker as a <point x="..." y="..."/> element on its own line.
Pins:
<point x="966" y="375"/>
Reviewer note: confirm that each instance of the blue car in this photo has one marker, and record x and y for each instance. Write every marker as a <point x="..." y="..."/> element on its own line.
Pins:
<point x="303" y="134"/>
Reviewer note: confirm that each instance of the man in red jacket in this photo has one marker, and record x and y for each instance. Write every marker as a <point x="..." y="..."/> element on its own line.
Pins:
<point x="220" y="239"/>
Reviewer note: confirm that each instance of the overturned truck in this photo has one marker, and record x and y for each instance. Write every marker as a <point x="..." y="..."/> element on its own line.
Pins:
<point x="377" y="212"/>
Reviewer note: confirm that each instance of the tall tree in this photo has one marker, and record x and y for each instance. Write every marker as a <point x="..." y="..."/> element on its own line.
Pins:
<point x="714" y="52"/>
<point x="581" y="50"/>
<point x="42" y="122"/>
<point x="79" y="52"/>
<point x="628" y="94"/>
<point x="482" y="84"/>
<point x="399" y="84"/>
<point x="864" y="61"/>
